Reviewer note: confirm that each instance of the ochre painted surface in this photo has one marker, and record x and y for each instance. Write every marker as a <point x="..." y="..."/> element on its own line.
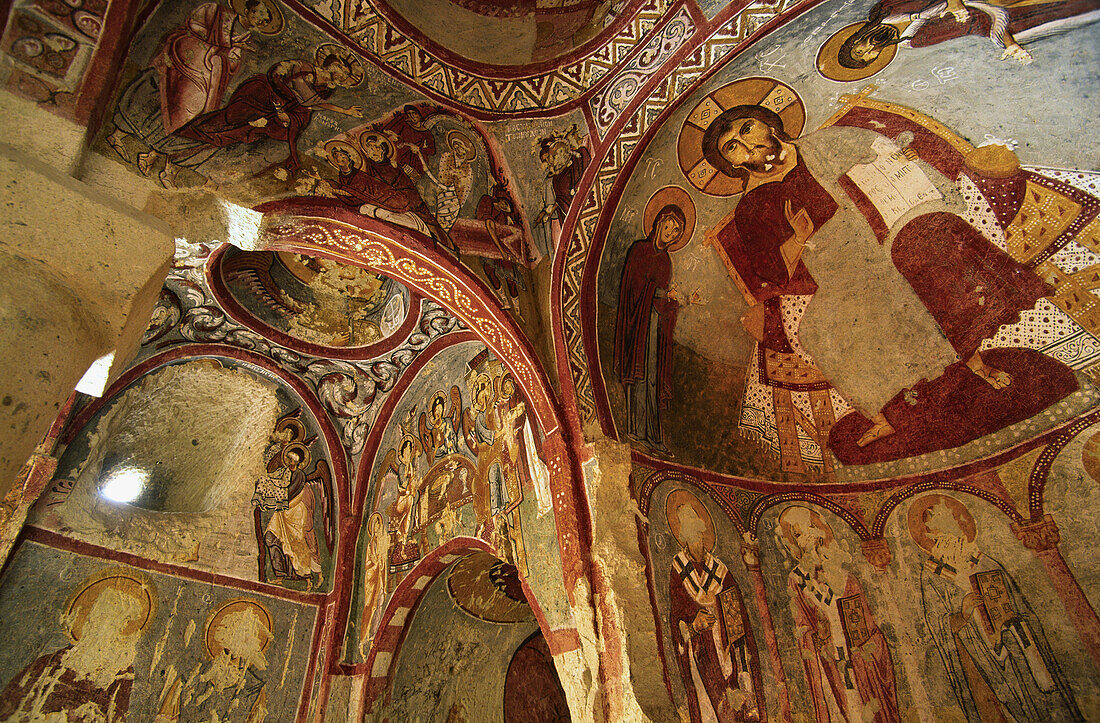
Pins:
<point x="814" y="287"/>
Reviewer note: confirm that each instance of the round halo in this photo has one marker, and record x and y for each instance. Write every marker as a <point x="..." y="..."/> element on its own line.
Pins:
<point x="918" y="530"/>
<point x="381" y="138"/>
<point x="816" y="520"/>
<point x="356" y="156"/>
<point x="456" y="134"/>
<point x="298" y="427"/>
<point x="273" y="26"/>
<point x="677" y="499"/>
<point x="829" y="66"/>
<point x="125" y="581"/>
<point x="227" y="608"/>
<point x="299" y="447"/>
<point x="677" y="196"/>
<point x="766" y="92"/>
<point x="326" y="51"/>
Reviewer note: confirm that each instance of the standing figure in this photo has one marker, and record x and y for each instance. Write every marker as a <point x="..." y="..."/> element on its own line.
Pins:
<point x="414" y="142"/>
<point x="990" y="641"/>
<point x="189" y="75"/>
<point x="508" y="419"/>
<point x="565" y="158"/>
<point x="455" y="176"/>
<point x="482" y="439"/>
<point x="646" y="315"/>
<point x="404" y="462"/>
<point x="375" y="561"/>
<point x="505" y="229"/>
<point x="230" y="686"/>
<point x="288" y="541"/>
<point x="710" y="631"/>
<point x="844" y="654"/>
<point x="90" y="679"/>
<point x="504" y="226"/>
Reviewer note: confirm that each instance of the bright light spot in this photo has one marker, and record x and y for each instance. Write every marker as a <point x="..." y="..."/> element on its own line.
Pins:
<point x="242" y="226"/>
<point x="124" y="484"/>
<point x="94" y="380"/>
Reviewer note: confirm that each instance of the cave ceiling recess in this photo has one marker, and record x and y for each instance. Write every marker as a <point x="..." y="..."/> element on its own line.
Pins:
<point x="984" y="247"/>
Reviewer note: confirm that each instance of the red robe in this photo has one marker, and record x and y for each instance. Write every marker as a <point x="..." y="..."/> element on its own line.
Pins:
<point x="409" y="138"/>
<point x="869" y="668"/>
<point x="1021" y="16"/>
<point x="380" y="184"/>
<point x="288" y="87"/>
<point x="64" y="691"/>
<point x="970" y="286"/>
<point x="700" y="649"/>
<point x="565" y="181"/>
<point x="645" y="272"/>
<point x="196" y="63"/>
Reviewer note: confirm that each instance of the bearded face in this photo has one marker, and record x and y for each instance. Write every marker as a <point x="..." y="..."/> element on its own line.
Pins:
<point x="752" y="145"/>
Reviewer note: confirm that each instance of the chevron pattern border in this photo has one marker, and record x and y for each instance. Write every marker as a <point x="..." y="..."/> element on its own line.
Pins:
<point x="377" y="37"/>
<point x="711" y="51"/>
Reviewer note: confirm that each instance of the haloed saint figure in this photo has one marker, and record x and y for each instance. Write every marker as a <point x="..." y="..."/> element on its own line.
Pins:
<point x="991" y="643"/>
<point x="646" y="315"/>
<point x="90" y="679"/>
<point x="711" y="637"/>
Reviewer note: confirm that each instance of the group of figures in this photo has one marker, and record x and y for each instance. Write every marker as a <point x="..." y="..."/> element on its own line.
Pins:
<point x="459" y="469"/>
<point x="291" y="500"/>
<point x="991" y="645"/>
<point x="416" y="167"/>
<point x="174" y="112"/>
<point x="92" y="677"/>
<point x="873" y="260"/>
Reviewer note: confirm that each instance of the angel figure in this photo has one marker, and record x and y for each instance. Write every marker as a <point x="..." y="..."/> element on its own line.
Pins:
<point x="374" y="578"/>
<point x="455" y="177"/>
<point x="439" y="425"/>
<point x="289" y="493"/>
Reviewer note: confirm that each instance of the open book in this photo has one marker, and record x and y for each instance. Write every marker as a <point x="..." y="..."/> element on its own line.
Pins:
<point x="892" y="183"/>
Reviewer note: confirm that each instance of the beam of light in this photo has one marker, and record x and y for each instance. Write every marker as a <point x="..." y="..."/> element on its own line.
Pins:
<point x="94" y="380"/>
<point x="124" y="484"/>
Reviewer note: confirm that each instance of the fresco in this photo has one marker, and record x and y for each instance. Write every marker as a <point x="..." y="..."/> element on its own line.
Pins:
<point x="1070" y="488"/>
<point x="976" y="598"/>
<point x="49" y="49"/>
<point x="459" y="676"/>
<point x="549" y="159"/>
<point x="531" y="687"/>
<point x="709" y="622"/>
<point x="112" y="643"/>
<point x="834" y="625"/>
<point x="895" y="289"/>
<point x="314" y="299"/>
<point x="255" y="104"/>
<point x="153" y="473"/>
<point x="504" y="32"/>
<point x="489" y="589"/>
<point x="459" y="458"/>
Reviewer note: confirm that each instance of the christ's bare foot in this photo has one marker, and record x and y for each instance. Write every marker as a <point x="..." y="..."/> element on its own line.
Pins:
<point x="115" y="141"/>
<point x="879" y="428"/>
<point x="145" y="162"/>
<point x="995" y="377"/>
